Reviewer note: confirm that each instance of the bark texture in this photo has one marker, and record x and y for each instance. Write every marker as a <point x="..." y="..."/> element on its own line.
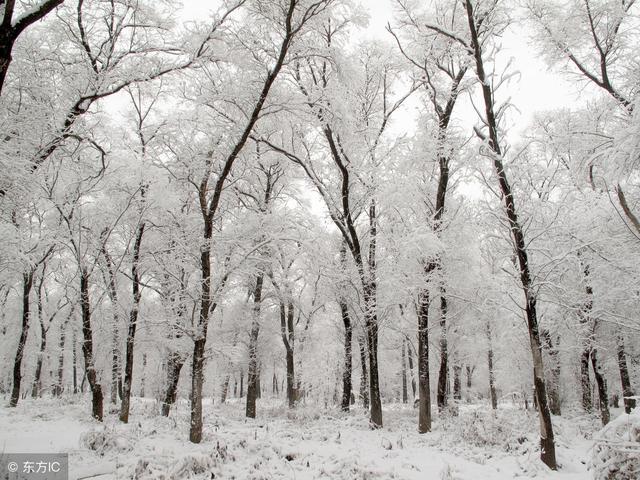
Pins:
<point x="133" y="325"/>
<point x="87" y="347"/>
<point x="27" y="285"/>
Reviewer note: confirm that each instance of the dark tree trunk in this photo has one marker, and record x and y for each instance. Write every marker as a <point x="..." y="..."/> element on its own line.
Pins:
<point x="444" y="358"/>
<point x="469" y="369"/>
<point x="259" y="382"/>
<point x="27" y="284"/>
<point x="252" y="373"/>
<point x="197" y="380"/>
<point x="424" y="388"/>
<point x="587" y="323"/>
<point x="457" y="383"/>
<point x="547" y="443"/>
<point x="241" y="383"/>
<point x="6" y="45"/>
<point x="404" y="373"/>
<point x="370" y="291"/>
<point x="75" y="362"/>
<point x="112" y="291"/>
<point x="274" y="383"/>
<point x="602" y="388"/>
<point x="174" y="367"/>
<point x="59" y="387"/>
<point x="133" y="324"/>
<point x="288" y="339"/>
<point x="374" y="386"/>
<point x="348" y="336"/>
<point x="584" y="380"/>
<point x="143" y="384"/>
<point x="35" y="389"/>
<point x="364" y="376"/>
<point x="348" y="361"/>
<point x="87" y="347"/>
<point x="291" y="390"/>
<point x="627" y="391"/>
<point x="492" y="383"/>
<point x="197" y="360"/>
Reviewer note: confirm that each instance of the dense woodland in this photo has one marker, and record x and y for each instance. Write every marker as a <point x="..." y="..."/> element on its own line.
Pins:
<point x="267" y="202"/>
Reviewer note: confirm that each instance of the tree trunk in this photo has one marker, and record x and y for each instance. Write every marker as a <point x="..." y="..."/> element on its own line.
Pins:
<point x="87" y="347"/>
<point x="174" y="367"/>
<point x="444" y="358"/>
<point x="348" y="337"/>
<point x="288" y="339"/>
<point x="197" y="360"/>
<point x="469" y="369"/>
<point x="35" y="389"/>
<point x="274" y="383"/>
<point x="584" y="380"/>
<point x="370" y="292"/>
<point x="547" y="444"/>
<point x="364" y="375"/>
<point x="143" y="384"/>
<point x="225" y="387"/>
<point x="59" y="387"/>
<point x="404" y="372"/>
<point x="27" y="284"/>
<point x="241" y="383"/>
<point x="112" y="291"/>
<point x="197" y="381"/>
<point x="602" y="388"/>
<point x="75" y="362"/>
<point x="252" y="373"/>
<point x="6" y="45"/>
<point x="259" y="381"/>
<point x="411" y="370"/>
<point x="424" y="388"/>
<point x="627" y="391"/>
<point x="457" y="384"/>
<point x="492" y="385"/>
<point x="374" y="385"/>
<point x="587" y="323"/>
<point x="133" y="324"/>
<point x="348" y="361"/>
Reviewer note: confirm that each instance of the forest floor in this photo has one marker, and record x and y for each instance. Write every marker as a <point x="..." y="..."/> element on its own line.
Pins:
<point x="307" y="443"/>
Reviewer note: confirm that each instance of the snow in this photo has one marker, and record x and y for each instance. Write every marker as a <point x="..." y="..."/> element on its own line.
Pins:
<point x="616" y="452"/>
<point x="307" y="443"/>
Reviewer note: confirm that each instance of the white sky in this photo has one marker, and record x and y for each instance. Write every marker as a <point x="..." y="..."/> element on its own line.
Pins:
<point x="536" y="88"/>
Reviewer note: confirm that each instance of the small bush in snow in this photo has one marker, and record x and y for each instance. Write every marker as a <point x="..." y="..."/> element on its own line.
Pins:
<point x="616" y="450"/>
<point x="481" y="428"/>
<point x="105" y="441"/>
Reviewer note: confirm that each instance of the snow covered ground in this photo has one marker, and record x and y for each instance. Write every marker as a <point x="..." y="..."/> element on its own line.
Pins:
<point x="308" y="443"/>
